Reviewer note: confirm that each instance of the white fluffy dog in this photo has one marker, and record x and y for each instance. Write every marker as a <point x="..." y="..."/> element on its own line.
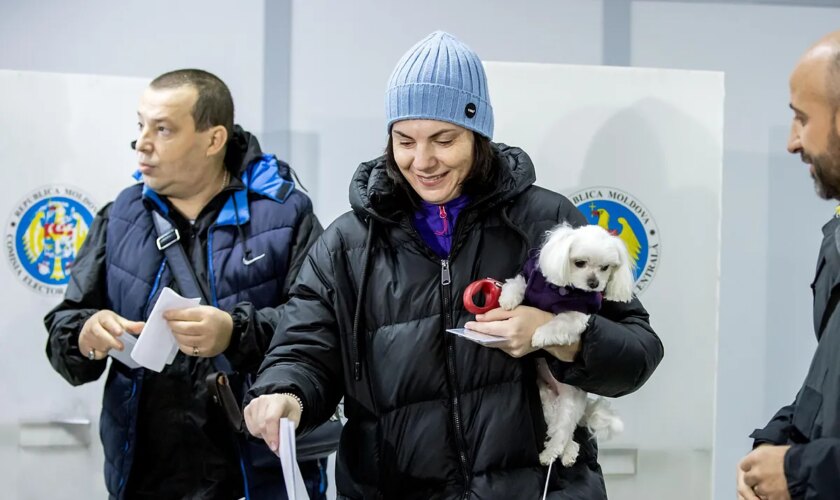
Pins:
<point x="574" y="269"/>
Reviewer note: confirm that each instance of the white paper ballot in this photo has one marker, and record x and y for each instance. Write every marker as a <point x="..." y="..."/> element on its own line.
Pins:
<point x="156" y="346"/>
<point x="481" y="338"/>
<point x="295" y="487"/>
<point x="128" y="340"/>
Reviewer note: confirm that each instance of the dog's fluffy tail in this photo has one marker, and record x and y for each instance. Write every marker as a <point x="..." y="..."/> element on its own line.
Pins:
<point x="601" y="419"/>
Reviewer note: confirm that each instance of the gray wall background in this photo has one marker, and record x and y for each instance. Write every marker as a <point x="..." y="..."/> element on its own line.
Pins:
<point x="309" y="77"/>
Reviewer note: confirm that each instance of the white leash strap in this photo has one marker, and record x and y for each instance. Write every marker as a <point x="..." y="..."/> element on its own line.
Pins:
<point x="547" y="478"/>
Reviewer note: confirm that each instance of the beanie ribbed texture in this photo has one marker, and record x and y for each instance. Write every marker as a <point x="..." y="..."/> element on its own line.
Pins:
<point x="440" y="78"/>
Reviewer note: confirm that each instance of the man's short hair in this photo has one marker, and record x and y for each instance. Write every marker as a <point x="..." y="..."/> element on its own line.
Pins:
<point x="214" y="105"/>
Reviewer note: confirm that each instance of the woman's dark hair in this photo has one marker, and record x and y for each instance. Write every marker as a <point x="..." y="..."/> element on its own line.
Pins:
<point x="481" y="179"/>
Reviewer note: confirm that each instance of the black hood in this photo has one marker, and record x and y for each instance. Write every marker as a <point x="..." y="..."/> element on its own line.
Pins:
<point x="374" y="194"/>
<point x="242" y="150"/>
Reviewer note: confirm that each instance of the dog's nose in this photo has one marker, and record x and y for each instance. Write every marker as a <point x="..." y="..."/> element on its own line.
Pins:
<point x="593" y="283"/>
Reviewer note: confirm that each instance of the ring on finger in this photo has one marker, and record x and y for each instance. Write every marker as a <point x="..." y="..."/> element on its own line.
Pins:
<point x="91" y="354"/>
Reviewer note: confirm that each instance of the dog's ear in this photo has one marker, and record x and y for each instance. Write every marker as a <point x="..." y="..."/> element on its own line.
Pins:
<point x="622" y="280"/>
<point x="555" y="254"/>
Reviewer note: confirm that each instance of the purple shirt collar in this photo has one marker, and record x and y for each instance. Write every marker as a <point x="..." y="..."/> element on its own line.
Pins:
<point x="436" y="223"/>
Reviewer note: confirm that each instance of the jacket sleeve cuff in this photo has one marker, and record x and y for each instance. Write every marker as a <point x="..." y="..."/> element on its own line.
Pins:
<point x="794" y="475"/>
<point x="777" y="431"/>
<point x="308" y="420"/>
<point x="240" y="318"/>
<point x="73" y="339"/>
<point x="766" y="436"/>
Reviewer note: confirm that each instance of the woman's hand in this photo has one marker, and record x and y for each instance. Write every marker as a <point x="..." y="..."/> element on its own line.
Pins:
<point x="263" y="414"/>
<point x="517" y="326"/>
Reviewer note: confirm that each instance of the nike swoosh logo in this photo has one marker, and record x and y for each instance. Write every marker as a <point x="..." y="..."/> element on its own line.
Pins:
<point x="248" y="261"/>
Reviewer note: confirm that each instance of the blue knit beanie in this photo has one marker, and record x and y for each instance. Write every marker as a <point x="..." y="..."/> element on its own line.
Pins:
<point x="440" y="78"/>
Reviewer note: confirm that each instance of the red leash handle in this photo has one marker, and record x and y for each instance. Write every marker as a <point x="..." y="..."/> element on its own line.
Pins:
<point x="490" y="288"/>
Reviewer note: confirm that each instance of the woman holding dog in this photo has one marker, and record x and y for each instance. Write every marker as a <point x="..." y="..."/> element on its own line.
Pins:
<point x="430" y="414"/>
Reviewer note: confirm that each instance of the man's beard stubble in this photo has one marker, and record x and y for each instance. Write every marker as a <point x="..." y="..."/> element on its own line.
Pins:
<point x="826" y="168"/>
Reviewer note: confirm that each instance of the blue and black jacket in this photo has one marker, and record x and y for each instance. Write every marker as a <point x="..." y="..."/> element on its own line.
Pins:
<point x="161" y="434"/>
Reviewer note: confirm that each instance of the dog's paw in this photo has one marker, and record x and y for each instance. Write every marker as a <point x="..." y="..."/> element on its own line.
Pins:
<point x="570" y="453"/>
<point x="513" y="291"/>
<point x="576" y="322"/>
<point x="543" y="336"/>
<point x="564" y="329"/>
<point x="548" y="456"/>
<point x="570" y="325"/>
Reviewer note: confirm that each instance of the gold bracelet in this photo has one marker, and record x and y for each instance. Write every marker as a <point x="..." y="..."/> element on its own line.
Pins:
<point x="296" y="397"/>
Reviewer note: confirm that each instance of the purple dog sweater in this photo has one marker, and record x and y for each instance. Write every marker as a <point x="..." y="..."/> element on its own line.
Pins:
<point x="555" y="299"/>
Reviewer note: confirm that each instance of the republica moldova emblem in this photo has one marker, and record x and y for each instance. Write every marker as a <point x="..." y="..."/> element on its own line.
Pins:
<point x="44" y="235"/>
<point x="626" y="217"/>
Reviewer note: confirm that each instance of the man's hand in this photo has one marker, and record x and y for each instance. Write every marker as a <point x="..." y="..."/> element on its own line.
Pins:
<point x="744" y="491"/>
<point x="263" y="414"/>
<point x="517" y="326"/>
<point x="99" y="333"/>
<point x="762" y="473"/>
<point x="200" y="331"/>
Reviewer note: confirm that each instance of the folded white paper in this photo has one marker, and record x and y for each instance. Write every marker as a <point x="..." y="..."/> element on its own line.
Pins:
<point x="128" y="341"/>
<point x="481" y="338"/>
<point x="156" y="346"/>
<point x="295" y="487"/>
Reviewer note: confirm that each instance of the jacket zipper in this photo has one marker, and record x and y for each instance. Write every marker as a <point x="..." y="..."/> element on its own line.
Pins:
<point x="445" y="229"/>
<point x="445" y="282"/>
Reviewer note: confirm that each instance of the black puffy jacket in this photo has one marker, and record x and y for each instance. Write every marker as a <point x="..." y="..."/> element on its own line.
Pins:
<point x="431" y="415"/>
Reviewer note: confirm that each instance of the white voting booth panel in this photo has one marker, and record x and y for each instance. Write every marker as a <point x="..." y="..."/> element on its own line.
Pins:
<point x="640" y="152"/>
<point x="642" y="146"/>
<point x="64" y="151"/>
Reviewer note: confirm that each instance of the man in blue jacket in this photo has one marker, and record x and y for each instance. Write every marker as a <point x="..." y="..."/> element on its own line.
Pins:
<point x="797" y="455"/>
<point x="244" y="230"/>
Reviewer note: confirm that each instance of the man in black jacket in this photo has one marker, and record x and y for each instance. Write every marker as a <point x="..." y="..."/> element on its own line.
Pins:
<point x="244" y="230"/>
<point x="797" y="455"/>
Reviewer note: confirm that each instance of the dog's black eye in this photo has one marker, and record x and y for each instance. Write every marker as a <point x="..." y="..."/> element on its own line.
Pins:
<point x="580" y="263"/>
<point x="604" y="268"/>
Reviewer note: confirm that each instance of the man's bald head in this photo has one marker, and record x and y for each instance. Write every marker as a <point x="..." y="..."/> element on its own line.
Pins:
<point x="823" y="59"/>
<point x="815" y="101"/>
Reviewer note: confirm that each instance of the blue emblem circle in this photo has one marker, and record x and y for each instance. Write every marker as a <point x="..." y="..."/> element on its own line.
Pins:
<point x="616" y="212"/>
<point x="48" y="238"/>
